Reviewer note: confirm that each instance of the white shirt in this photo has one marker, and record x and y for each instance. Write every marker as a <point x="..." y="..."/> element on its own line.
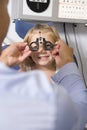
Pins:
<point x="28" y="101"/>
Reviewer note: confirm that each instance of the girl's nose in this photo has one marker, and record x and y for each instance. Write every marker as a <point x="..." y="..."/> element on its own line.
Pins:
<point x="41" y="48"/>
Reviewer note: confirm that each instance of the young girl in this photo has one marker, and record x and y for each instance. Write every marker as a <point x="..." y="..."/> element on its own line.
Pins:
<point x="41" y="40"/>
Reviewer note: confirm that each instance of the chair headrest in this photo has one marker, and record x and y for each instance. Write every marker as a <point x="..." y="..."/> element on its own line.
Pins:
<point x="22" y="27"/>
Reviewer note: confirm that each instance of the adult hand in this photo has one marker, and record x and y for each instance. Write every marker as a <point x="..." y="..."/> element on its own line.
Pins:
<point x="63" y="54"/>
<point x="15" y="54"/>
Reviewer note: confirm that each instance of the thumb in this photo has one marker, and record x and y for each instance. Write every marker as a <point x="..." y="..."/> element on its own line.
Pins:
<point x="24" y="56"/>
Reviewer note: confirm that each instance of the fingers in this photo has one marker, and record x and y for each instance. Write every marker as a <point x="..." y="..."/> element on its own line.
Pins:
<point x="15" y="53"/>
<point x="55" y="51"/>
<point x="26" y="49"/>
<point x="24" y="56"/>
<point x="21" y="45"/>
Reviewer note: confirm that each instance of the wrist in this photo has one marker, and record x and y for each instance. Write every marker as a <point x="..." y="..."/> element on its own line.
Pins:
<point x="3" y="60"/>
<point x="64" y="62"/>
<point x="70" y="60"/>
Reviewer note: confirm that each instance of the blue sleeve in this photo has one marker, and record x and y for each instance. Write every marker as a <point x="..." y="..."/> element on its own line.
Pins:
<point x="70" y="79"/>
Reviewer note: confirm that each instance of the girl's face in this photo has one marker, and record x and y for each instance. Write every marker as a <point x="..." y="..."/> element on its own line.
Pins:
<point x="42" y="57"/>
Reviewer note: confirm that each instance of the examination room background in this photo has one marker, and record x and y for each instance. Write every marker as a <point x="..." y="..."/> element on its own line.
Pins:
<point x="74" y="34"/>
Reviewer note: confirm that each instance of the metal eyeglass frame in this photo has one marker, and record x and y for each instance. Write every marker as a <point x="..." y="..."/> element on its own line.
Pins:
<point x="47" y="45"/>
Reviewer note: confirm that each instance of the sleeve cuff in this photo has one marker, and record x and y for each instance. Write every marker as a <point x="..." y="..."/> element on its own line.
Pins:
<point x="68" y="69"/>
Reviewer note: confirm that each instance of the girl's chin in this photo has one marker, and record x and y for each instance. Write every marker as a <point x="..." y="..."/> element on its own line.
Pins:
<point x="43" y="63"/>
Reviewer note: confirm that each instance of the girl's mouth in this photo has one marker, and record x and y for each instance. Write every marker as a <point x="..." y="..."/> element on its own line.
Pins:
<point x="43" y="57"/>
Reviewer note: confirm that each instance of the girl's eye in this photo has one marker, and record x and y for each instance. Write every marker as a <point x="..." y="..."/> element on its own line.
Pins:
<point x="33" y="46"/>
<point x="49" y="46"/>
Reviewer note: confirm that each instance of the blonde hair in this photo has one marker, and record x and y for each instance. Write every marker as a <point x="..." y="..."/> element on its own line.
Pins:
<point x="44" y="28"/>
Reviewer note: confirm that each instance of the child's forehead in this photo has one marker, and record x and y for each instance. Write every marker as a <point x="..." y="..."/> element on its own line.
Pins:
<point x="43" y="35"/>
<point x="48" y="35"/>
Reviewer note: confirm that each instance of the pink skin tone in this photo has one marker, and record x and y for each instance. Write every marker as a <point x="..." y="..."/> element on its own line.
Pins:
<point x="43" y="59"/>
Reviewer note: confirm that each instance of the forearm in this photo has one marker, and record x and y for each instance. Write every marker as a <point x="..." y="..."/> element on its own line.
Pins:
<point x="4" y="60"/>
<point x="8" y="60"/>
<point x="70" y="78"/>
